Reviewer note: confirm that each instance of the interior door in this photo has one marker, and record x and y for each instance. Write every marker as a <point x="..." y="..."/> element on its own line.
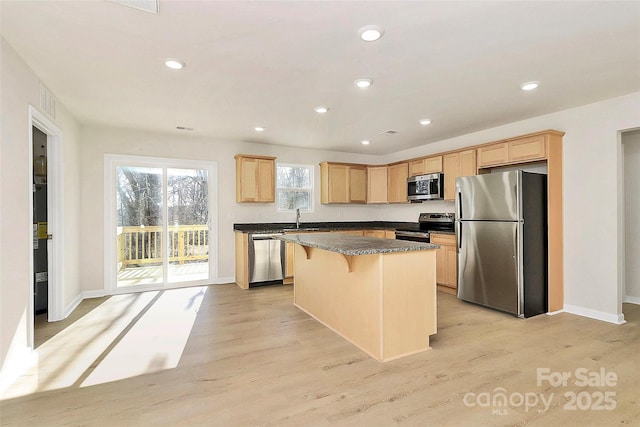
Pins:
<point x="488" y="264"/>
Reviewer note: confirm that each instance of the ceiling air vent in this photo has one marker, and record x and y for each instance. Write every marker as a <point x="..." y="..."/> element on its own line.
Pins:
<point x="146" y="5"/>
<point x="388" y="132"/>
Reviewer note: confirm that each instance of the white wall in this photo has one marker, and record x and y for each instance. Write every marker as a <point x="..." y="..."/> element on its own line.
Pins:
<point x="631" y="142"/>
<point x="20" y="87"/>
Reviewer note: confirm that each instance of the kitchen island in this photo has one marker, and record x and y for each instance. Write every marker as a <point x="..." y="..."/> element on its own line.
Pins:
<point x="379" y="294"/>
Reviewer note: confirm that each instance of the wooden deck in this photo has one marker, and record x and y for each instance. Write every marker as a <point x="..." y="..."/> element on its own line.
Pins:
<point x="250" y="358"/>
<point x="146" y="275"/>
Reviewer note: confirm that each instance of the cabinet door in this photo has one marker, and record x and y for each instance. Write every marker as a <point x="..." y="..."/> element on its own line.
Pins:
<point x="441" y="264"/>
<point x="338" y="184"/>
<point x="377" y="184"/>
<point x="374" y="233"/>
<point x="266" y="180"/>
<point x="255" y="179"/>
<point x="525" y="149"/>
<point x="494" y="154"/>
<point x="433" y="164"/>
<point x="451" y="269"/>
<point x="416" y="167"/>
<point x="247" y="182"/>
<point x="289" y="259"/>
<point x="357" y="184"/>
<point x="397" y="188"/>
<point x="468" y="163"/>
<point x="450" y="165"/>
<point x="446" y="259"/>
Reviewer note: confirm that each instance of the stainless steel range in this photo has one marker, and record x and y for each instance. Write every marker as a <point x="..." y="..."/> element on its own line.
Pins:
<point x="427" y="222"/>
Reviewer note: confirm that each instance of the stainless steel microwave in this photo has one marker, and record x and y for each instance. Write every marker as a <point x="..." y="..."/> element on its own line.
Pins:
<point x="425" y="187"/>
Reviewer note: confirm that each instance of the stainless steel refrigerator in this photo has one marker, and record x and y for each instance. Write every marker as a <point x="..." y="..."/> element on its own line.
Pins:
<point x="501" y="231"/>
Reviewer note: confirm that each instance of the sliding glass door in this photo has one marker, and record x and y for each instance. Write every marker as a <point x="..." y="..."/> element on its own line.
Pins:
<point x="188" y="218"/>
<point x="163" y="223"/>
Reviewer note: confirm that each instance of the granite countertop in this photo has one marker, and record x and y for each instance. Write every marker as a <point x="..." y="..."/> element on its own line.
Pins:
<point x="355" y="245"/>
<point x="289" y="227"/>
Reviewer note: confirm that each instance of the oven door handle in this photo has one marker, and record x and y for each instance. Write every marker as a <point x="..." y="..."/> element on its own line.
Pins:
<point x="412" y="234"/>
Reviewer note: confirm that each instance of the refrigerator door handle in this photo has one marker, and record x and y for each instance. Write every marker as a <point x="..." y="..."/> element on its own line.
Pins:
<point x="459" y="234"/>
<point x="459" y="202"/>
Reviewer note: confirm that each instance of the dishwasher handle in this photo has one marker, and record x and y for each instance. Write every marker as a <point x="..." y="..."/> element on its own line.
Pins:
<point x="272" y="236"/>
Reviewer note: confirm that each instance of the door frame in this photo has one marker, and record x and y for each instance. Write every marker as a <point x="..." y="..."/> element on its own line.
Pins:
<point x="55" y="215"/>
<point x="111" y="161"/>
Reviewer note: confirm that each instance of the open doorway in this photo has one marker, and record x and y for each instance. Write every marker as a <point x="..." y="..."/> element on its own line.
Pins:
<point x="631" y="167"/>
<point x="40" y="231"/>
<point x="45" y="146"/>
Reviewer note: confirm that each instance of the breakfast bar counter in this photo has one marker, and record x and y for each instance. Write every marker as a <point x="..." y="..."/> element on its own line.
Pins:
<point x="379" y="294"/>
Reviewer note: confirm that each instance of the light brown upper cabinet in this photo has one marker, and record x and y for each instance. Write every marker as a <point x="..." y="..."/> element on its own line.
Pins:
<point x="397" y="183"/>
<point x="357" y="184"/>
<point x="516" y="151"/>
<point x="343" y="183"/>
<point x="425" y="166"/>
<point x="377" y="184"/>
<point x="461" y="163"/>
<point x="255" y="178"/>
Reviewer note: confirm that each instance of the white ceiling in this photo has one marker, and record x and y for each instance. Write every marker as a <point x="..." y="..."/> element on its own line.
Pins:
<point x="270" y="63"/>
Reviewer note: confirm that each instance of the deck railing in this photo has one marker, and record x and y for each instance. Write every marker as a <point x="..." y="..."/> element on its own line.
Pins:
<point x="143" y="245"/>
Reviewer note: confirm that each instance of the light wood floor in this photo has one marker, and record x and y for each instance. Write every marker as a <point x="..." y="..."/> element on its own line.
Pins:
<point x="252" y="358"/>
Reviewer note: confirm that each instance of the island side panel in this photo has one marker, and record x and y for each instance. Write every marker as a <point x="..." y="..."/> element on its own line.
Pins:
<point x="409" y="302"/>
<point x="346" y="302"/>
<point x="242" y="264"/>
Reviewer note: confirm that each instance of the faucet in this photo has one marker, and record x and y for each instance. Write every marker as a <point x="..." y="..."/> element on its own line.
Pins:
<point x="298" y="218"/>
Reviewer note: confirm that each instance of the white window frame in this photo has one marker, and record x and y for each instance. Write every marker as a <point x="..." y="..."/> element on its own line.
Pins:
<point x="310" y="189"/>
<point x="111" y="162"/>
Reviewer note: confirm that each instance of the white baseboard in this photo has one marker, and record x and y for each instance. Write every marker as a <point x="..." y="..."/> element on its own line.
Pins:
<point x="632" y="300"/>
<point x="618" y="319"/>
<point x="553" y="313"/>
<point x="76" y="301"/>
<point x="224" y="280"/>
<point x="15" y="365"/>
<point x="94" y="294"/>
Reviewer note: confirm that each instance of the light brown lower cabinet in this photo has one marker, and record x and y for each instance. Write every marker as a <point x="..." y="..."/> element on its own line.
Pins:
<point x="374" y="233"/>
<point x="446" y="262"/>
<point x="288" y="268"/>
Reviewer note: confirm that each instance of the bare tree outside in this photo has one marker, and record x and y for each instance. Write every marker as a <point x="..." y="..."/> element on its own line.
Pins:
<point x="294" y="187"/>
<point x="139" y="202"/>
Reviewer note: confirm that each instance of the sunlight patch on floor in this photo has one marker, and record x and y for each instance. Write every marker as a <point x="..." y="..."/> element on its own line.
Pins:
<point x="155" y="342"/>
<point x="125" y="336"/>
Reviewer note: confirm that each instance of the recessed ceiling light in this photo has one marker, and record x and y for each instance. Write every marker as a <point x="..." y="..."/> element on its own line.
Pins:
<point x="174" y="63"/>
<point x="425" y="122"/>
<point x="363" y="83"/>
<point x="366" y="142"/>
<point x="370" y="33"/>
<point x="529" y="85"/>
<point x="321" y="109"/>
<point x="259" y="129"/>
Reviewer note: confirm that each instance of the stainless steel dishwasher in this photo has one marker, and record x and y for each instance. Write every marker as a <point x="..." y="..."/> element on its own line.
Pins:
<point x="266" y="259"/>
